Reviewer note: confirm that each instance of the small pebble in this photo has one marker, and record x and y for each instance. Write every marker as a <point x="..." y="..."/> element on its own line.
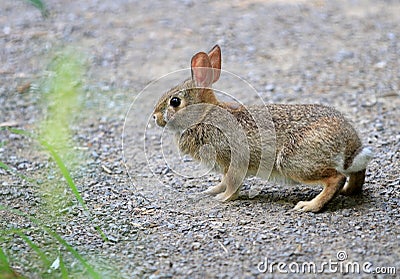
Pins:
<point x="270" y="87"/>
<point x="343" y="55"/>
<point x="196" y="245"/>
<point x="379" y="126"/>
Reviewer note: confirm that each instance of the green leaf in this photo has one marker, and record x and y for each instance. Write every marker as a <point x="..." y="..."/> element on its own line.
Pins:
<point x="39" y="5"/>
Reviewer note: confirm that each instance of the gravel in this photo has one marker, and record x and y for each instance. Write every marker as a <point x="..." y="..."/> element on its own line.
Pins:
<point x="340" y="53"/>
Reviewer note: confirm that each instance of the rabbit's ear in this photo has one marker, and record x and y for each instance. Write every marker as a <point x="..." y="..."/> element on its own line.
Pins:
<point x="215" y="59"/>
<point x="202" y="71"/>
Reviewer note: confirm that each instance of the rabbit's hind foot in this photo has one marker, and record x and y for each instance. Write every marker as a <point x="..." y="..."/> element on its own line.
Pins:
<point x="332" y="186"/>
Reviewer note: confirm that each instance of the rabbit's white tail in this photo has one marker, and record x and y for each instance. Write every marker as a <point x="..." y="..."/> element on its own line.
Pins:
<point x="360" y="161"/>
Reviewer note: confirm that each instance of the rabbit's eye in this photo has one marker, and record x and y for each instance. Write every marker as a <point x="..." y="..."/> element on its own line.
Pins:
<point x="175" y="102"/>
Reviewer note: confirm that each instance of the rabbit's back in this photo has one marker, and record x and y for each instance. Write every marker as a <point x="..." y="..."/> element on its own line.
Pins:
<point x="311" y="138"/>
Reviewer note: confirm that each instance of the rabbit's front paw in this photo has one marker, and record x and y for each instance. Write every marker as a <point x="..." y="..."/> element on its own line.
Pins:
<point x="308" y="206"/>
<point x="215" y="189"/>
<point x="223" y="197"/>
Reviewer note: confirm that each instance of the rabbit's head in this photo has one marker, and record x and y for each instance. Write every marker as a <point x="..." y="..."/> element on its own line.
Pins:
<point x="206" y="69"/>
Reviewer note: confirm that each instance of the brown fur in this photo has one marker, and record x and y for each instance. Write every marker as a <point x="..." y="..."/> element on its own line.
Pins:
<point x="310" y="144"/>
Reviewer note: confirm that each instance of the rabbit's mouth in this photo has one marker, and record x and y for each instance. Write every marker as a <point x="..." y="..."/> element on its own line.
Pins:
<point x="160" y="121"/>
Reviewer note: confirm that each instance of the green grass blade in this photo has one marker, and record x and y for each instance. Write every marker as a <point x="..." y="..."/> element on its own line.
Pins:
<point x="7" y="168"/>
<point x="18" y="131"/>
<point x="4" y="265"/>
<point x="70" y="183"/>
<point x="61" y="166"/>
<point x="39" y="5"/>
<point x="35" y="248"/>
<point x="65" y="173"/>
<point x="53" y="234"/>
<point x="5" y="269"/>
<point x="3" y="143"/>
<point x="64" y="272"/>
<point x="71" y="249"/>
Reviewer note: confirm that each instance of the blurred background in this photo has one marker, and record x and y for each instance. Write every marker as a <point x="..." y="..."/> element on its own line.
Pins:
<point x="69" y="72"/>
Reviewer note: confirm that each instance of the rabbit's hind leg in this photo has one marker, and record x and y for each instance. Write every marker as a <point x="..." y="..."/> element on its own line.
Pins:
<point x="332" y="186"/>
<point x="355" y="184"/>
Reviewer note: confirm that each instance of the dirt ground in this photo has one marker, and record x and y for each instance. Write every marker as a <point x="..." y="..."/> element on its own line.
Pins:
<point x="141" y="194"/>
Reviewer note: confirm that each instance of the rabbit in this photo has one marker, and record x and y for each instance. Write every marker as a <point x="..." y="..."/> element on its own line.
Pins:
<point x="313" y="144"/>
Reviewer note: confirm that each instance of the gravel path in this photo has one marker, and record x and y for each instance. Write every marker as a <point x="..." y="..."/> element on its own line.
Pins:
<point x="340" y="53"/>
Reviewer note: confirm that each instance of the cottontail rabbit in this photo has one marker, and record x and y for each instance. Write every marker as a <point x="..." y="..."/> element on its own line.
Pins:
<point x="314" y="144"/>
